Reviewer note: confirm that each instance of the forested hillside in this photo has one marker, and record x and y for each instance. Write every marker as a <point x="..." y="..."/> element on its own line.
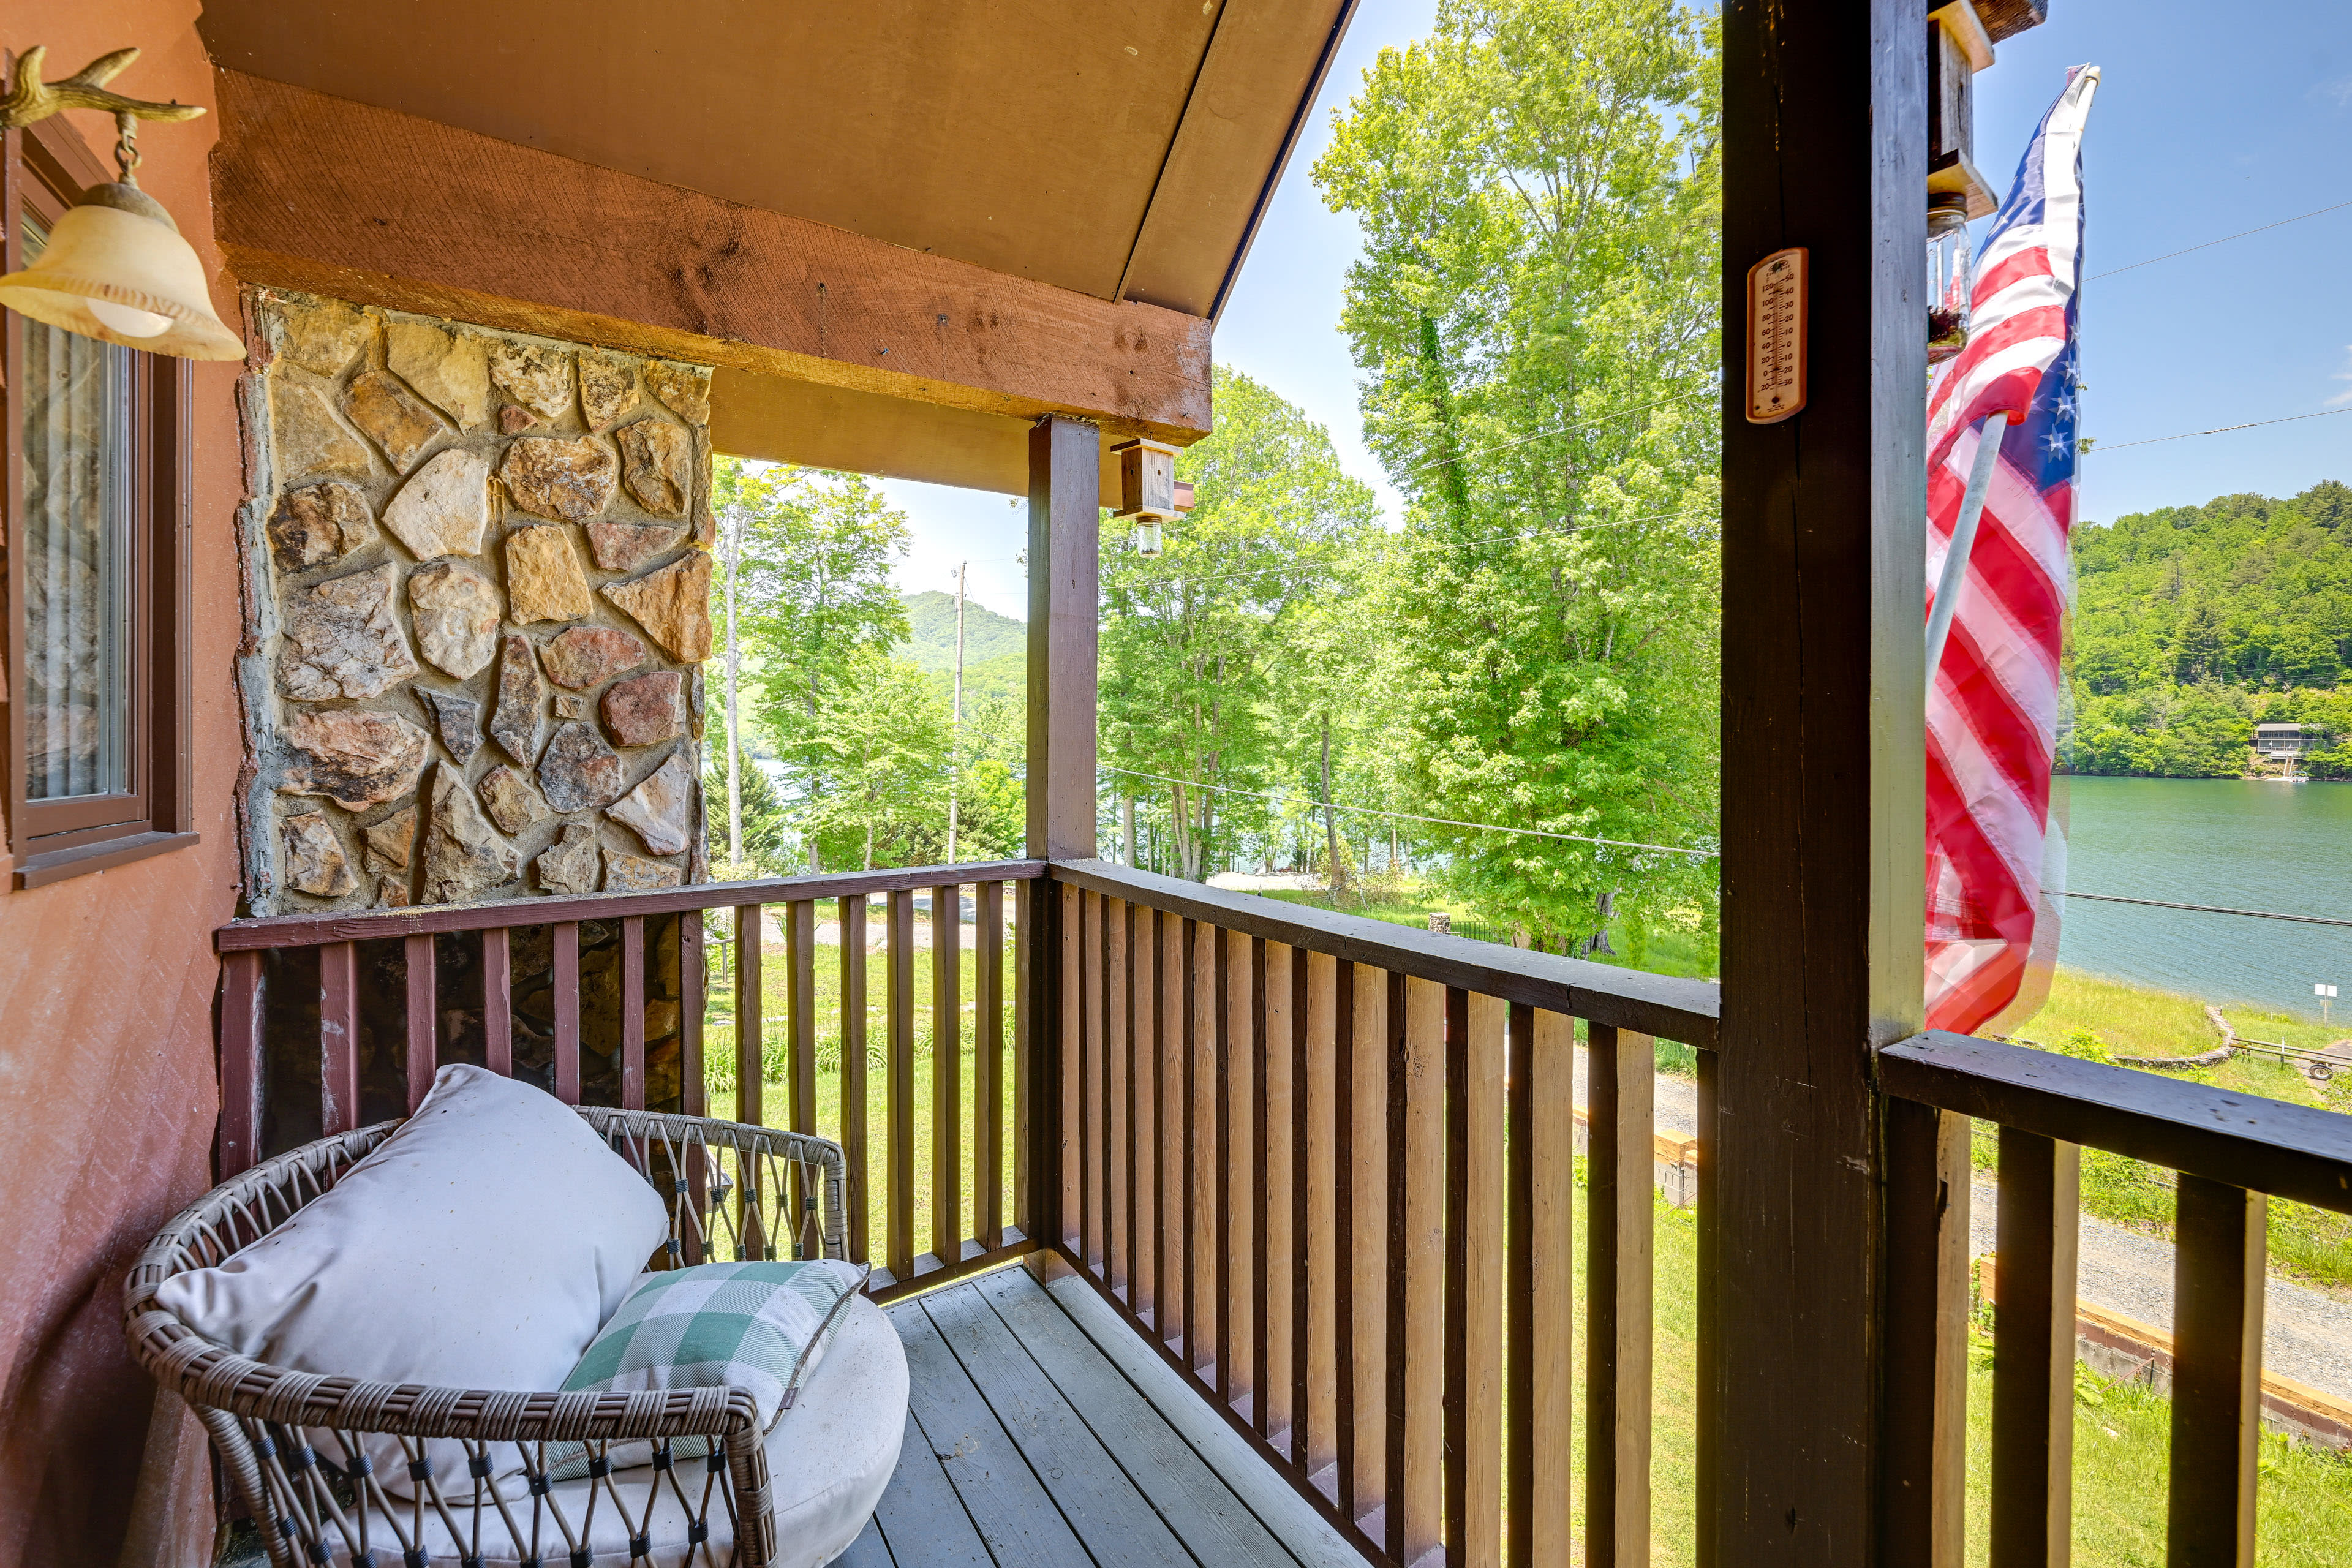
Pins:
<point x="2193" y="624"/>
<point x="931" y="642"/>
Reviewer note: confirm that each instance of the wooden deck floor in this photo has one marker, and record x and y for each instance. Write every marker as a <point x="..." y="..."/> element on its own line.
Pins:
<point x="1045" y="1433"/>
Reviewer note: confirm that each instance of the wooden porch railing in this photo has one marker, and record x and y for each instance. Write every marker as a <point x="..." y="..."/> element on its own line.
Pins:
<point x="956" y="1243"/>
<point x="2233" y="1151"/>
<point x="1325" y="1166"/>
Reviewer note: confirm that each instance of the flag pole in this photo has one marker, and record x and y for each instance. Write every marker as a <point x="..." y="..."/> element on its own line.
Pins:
<point x="1964" y="539"/>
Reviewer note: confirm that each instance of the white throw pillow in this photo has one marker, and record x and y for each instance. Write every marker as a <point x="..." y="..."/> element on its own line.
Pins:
<point x="481" y="1246"/>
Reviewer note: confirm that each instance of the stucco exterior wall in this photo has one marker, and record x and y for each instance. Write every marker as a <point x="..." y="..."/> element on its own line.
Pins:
<point x="107" y="1082"/>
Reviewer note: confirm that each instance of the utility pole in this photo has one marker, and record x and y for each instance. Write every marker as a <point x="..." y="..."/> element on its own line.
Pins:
<point x="734" y="742"/>
<point x="955" y="731"/>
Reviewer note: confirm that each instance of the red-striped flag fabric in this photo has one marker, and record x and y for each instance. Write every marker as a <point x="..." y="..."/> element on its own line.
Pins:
<point x="1995" y="858"/>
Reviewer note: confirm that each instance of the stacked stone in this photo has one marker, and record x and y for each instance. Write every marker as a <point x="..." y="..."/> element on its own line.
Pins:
<point x="475" y="672"/>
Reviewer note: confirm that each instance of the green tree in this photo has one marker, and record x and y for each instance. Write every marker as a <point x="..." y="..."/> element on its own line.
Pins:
<point x="1537" y="186"/>
<point x="817" y="604"/>
<point x="878" y="751"/>
<point x="1197" y="642"/>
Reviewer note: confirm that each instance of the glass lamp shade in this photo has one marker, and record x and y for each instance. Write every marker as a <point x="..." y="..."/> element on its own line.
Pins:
<point x="1949" y="278"/>
<point x="115" y="268"/>
<point x="1147" y="537"/>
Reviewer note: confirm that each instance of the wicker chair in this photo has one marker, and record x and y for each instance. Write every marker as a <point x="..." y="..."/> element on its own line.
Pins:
<point x="289" y="1440"/>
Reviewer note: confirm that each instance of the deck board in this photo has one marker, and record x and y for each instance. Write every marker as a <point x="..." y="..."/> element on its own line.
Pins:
<point x="1000" y="1494"/>
<point x="1035" y="1439"/>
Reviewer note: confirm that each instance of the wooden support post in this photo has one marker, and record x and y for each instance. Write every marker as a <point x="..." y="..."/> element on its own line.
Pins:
<point x="2217" y="1373"/>
<point x="1824" y="137"/>
<point x="1065" y="572"/>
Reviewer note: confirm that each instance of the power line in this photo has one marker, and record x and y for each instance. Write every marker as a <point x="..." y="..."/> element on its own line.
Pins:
<point x="2210" y="243"/>
<point x="2224" y="430"/>
<point x="1409" y="817"/>
<point x="2212" y="909"/>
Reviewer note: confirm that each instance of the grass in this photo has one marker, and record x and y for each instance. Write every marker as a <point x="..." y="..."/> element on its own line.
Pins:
<point x="1657" y="952"/>
<point x="2312" y="1246"/>
<point x="718" y="1031"/>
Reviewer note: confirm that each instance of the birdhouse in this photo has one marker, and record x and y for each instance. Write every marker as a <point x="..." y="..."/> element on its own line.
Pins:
<point x="1147" y="481"/>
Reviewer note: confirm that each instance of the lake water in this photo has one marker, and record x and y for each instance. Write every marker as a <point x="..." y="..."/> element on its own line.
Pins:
<point x="2247" y="846"/>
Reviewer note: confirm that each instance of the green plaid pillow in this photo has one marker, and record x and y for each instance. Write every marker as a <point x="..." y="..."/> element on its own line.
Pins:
<point x="757" y="1326"/>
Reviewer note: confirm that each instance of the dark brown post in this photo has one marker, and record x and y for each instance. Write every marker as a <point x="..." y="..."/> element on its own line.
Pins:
<point x="2219" y="1272"/>
<point x="1064" y="569"/>
<point x="241" y="1048"/>
<point x="1825" y="147"/>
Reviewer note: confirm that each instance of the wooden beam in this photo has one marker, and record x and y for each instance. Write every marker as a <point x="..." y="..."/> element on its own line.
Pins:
<point x="1825" y="146"/>
<point x="369" y="204"/>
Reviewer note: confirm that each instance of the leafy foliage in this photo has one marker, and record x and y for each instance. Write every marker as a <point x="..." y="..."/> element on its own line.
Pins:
<point x="2193" y="624"/>
<point x="1535" y="310"/>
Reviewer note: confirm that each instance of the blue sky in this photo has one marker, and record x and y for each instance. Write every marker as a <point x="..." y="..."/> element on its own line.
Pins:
<point x="2204" y="125"/>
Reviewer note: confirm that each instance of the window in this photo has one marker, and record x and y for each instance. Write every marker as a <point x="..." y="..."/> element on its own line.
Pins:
<point x="97" y="443"/>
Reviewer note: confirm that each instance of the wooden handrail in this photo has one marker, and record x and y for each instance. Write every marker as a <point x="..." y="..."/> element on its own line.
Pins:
<point x="261" y="932"/>
<point x="1659" y="1004"/>
<point x="2289" y="1150"/>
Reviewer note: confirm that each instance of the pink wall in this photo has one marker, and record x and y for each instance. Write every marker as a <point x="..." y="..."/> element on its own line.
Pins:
<point x="108" y="1097"/>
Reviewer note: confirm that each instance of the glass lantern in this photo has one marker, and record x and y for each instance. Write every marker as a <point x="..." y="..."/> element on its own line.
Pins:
<point x="1147" y="537"/>
<point x="1949" y="279"/>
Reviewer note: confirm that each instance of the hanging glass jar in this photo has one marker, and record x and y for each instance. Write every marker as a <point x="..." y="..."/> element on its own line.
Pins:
<point x="1948" y="277"/>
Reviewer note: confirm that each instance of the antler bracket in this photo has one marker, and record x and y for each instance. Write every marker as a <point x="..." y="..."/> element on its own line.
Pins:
<point x="31" y="99"/>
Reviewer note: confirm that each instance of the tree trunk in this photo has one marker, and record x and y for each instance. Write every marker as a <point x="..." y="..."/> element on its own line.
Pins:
<point x="1330" y="823"/>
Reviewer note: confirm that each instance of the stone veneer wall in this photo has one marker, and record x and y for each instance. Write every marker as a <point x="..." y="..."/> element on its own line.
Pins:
<point x="476" y="604"/>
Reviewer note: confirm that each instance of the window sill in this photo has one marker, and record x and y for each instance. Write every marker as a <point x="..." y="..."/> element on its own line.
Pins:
<point x="57" y="865"/>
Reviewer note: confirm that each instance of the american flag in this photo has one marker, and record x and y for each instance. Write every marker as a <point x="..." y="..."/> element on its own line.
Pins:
<point x="1994" y="859"/>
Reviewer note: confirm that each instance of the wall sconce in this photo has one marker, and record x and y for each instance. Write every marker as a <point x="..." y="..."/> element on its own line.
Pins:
<point x="115" y="267"/>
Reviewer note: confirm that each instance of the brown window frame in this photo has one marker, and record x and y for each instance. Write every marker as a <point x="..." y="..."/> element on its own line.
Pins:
<point x="43" y="169"/>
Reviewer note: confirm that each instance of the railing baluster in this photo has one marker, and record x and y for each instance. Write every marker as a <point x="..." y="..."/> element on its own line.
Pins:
<point x="1070" y="1068"/>
<point x="855" y="1148"/>
<point x="1135" y="959"/>
<point x="693" y="1086"/>
<point x="1026" y="903"/>
<point x="1345" y="1482"/>
<point x="1294" y="1046"/>
<point x="988" y="1064"/>
<point x="1481" y="1163"/>
<point x="339" y="1037"/>
<point x="1621" y="1073"/>
<point x="1118" y="1106"/>
<point x="946" y="1074"/>
<point x="1226" y="1124"/>
<point x="1270" y="1193"/>
<point x="565" y="979"/>
<point x="1927" y="1346"/>
<point x="2221" y="1241"/>
<point x="750" y="1069"/>
<point x="1085" y="1063"/>
<point x="1321" y="1076"/>
<point x="243" y="1042"/>
<point x="1542" y="1271"/>
<point x="799" y="1013"/>
<point x="898" y="1088"/>
<point x="1417" y="1469"/>
<point x="498" y="1003"/>
<point x="1171" y="1196"/>
<point x="633" y="1012"/>
<point x="2033" y="1352"/>
<point x="422" y="1010"/>
<point x="1375" y="1025"/>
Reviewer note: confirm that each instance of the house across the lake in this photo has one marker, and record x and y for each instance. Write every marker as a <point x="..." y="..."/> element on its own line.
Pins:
<point x="2283" y="743"/>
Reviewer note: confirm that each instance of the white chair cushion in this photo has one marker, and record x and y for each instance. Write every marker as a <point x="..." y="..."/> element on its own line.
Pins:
<point x="480" y="1246"/>
<point x="829" y="1458"/>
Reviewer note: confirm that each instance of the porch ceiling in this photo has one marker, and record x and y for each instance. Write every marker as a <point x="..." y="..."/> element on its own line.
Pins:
<point x="1116" y="147"/>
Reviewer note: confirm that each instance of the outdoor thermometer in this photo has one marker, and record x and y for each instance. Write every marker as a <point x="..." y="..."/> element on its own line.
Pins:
<point x="1776" y="336"/>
